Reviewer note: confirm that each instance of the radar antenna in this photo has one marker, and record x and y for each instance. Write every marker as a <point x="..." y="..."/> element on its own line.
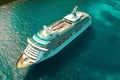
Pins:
<point x="47" y="32"/>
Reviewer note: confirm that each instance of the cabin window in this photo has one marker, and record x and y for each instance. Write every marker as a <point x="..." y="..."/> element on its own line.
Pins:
<point x="80" y="27"/>
<point x="60" y="42"/>
<point x="64" y="39"/>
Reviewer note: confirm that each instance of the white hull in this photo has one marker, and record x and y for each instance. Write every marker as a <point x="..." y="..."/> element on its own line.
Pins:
<point x="55" y="51"/>
<point x="60" y="34"/>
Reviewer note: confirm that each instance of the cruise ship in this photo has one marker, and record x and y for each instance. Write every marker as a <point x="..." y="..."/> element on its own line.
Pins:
<point x="53" y="38"/>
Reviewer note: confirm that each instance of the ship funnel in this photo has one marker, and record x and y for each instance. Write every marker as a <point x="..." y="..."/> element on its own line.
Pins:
<point x="74" y="11"/>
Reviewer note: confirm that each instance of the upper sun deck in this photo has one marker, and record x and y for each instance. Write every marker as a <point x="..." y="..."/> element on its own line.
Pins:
<point x="48" y="33"/>
<point x="63" y="25"/>
<point x="60" y="27"/>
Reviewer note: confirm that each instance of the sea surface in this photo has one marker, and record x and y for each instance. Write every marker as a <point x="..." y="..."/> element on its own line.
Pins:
<point x="94" y="55"/>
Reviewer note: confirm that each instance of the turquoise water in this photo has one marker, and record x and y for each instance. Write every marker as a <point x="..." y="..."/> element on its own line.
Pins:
<point x="94" y="55"/>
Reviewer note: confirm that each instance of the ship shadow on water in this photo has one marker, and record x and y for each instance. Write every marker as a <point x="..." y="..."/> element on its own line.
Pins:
<point x="53" y="65"/>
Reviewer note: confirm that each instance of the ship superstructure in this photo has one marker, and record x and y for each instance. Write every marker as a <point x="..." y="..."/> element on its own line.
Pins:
<point x="51" y="39"/>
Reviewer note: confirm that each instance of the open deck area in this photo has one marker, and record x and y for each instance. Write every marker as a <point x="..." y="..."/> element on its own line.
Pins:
<point x="61" y="26"/>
